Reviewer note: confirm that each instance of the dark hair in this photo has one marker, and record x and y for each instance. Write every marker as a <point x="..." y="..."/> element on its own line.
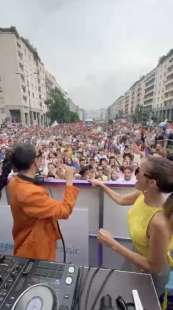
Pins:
<point x="129" y="155"/>
<point x="23" y="156"/>
<point x="83" y="170"/>
<point x="19" y="158"/>
<point x="161" y="170"/>
<point x="128" y="168"/>
<point x="168" y="206"/>
<point x="6" y="169"/>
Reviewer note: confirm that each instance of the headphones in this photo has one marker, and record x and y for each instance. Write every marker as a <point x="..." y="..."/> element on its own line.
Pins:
<point x="37" y="180"/>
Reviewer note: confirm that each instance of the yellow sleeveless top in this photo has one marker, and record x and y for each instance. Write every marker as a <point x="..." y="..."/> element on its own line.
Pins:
<point x="139" y="217"/>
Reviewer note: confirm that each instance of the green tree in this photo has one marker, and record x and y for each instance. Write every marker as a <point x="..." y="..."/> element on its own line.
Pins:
<point x="58" y="109"/>
<point x="140" y="115"/>
<point x="74" y="117"/>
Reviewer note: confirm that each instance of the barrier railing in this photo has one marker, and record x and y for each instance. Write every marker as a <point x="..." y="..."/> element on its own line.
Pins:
<point x="101" y="212"/>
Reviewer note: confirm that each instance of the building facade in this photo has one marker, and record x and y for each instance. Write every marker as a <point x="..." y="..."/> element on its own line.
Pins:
<point x="153" y="92"/>
<point x="163" y="108"/>
<point x="22" y="80"/>
<point x="25" y="84"/>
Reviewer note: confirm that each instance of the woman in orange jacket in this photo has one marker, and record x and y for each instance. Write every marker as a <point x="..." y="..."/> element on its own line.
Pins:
<point x="35" y="214"/>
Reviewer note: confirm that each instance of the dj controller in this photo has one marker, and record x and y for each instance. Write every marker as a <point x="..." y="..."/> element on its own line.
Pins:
<point x="26" y="284"/>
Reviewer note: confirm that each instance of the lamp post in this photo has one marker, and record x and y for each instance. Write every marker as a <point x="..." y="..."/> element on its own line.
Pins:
<point x="30" y="110"/>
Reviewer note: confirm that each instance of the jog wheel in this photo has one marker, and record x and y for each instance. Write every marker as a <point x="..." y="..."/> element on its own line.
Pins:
<point x="37" y="297"/>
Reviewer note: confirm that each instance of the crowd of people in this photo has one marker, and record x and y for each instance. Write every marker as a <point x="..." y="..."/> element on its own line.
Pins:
<point x="117" y="152"/>
<point x="107" y="152"/>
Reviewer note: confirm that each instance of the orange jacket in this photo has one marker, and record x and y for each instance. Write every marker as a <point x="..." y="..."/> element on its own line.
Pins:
<point x="35" y="214"/>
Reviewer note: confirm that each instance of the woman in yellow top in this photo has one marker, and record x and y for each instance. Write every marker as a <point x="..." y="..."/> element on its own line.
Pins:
<point x="150" y="219"/>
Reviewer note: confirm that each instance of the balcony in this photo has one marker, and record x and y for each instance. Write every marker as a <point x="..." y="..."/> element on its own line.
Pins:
<point x="24" y="98"/>
<point x="168" y="95"/>
<point x="169" y="77"/>
<point x="169" y="86"/>
<point x="18" y="45"/>
<point x="148" y="108"/>
<point x="24" y="88"/>
<point x="21" y="66"/>
<point x="148" y="101"/>
<point x="170" y="69"/>
<point x="20" y="55"/>
<point x="149" y="82"/>
<point x="149" y="95"/>
<point x="149" y="88"/>
<point x="168" y="104"/>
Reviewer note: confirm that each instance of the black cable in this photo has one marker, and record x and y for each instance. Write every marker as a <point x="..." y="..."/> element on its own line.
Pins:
<point x="63" y="244"/>
<point x="82" y="283"/>
<point x="77" y="291"/>
<point x="101" y="288"/>
<point x="89" y="287"/>
<point x="60" y="233"/>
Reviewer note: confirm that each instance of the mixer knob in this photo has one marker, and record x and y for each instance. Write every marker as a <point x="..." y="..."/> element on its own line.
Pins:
<point x="68" y="280"/>
<point x="71" y="269"/>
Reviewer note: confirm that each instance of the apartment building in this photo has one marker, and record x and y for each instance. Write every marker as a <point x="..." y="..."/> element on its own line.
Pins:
<point x="116" y="109"/>
<point x="154" y="92"/>
<point x="25" y="84"/>
<point x="136" y="96"/>
<point x="149" y="92"/>
<point x="163" y="108"/>
<point x="22" y="80"/>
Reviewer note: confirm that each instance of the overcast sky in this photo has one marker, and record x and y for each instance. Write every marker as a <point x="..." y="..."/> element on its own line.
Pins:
<point x="95" y="48"/>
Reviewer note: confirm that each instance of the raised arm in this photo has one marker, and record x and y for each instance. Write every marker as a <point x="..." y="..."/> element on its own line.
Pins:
<point x="126" y="200"/>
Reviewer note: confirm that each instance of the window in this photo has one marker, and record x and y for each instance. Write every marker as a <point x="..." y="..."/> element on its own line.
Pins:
<point x="23" y="88"/>
<point x="18" y="44"/>
<point x="22" y="77"/>
<point x="21" y="66"/>
<point x="20" y="55"/>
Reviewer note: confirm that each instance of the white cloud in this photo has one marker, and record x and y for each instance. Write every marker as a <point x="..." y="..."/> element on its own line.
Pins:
<point x="95" y="48"/>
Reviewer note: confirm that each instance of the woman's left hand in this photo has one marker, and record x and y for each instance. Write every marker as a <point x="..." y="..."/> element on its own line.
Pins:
<point x="105" y="237"/>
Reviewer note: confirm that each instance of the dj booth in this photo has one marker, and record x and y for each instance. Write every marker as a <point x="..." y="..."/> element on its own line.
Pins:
<point x="27" y="284"/>
<point x="40" y="285"/>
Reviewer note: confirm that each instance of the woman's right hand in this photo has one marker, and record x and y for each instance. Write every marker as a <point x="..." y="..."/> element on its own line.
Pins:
<point x="96" y="182"/>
